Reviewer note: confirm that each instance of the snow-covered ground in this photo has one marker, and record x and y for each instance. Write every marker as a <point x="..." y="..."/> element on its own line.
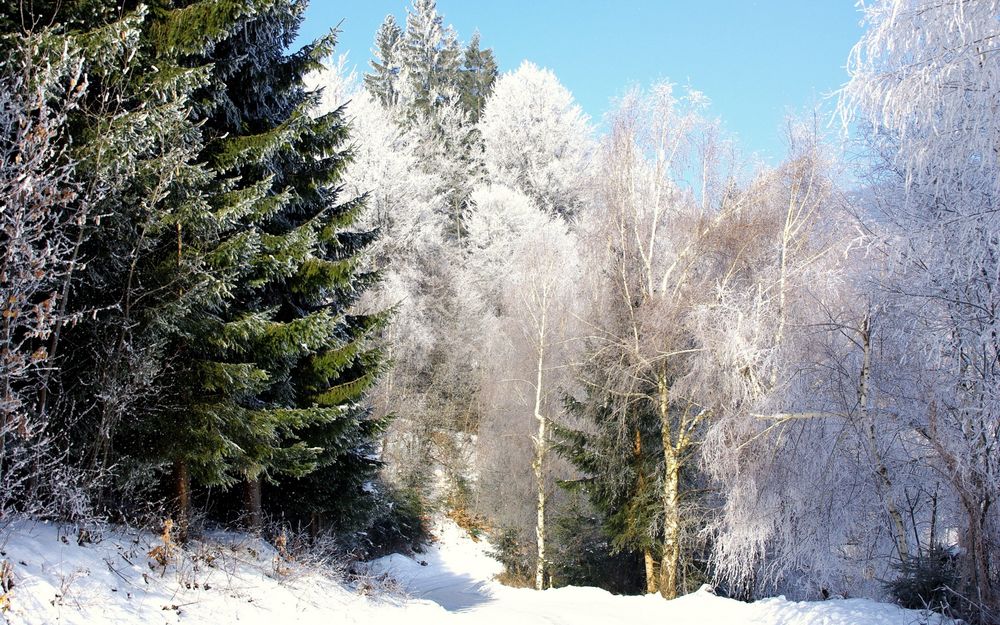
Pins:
<point x="230" y="578"/>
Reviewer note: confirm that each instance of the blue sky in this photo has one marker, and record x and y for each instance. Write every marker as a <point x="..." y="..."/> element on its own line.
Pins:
<point x="757" y="60"/>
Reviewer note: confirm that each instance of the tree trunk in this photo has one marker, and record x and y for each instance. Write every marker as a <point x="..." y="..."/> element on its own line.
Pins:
<point x="650" y="563"/>
<point x="182" y="486"/>
<point x="314" y="526"/>
<point x="898" y="529"/>
<point x="254" y="515"/>
<point x="670" y="560"/>
<point x="539" y="463"/>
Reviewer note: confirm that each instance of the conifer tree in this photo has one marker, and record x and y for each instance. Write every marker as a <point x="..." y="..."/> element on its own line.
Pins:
<point x="219" y="274"/>
<point x="143" y="264"/>
<point x="292" y="327"/>
<point x="476" y="77"/>
<point x="618" y="457"/>
<point x="430" y="58"/>
<point x="383" y="83"/>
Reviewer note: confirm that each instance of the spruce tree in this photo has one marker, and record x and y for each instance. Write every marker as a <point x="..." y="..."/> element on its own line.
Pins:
<point x="141" y="264"/>
<point x="476" y="77"/>
<point x="214" y="341"/>
<point x="161" y="359"/>
<point x="618" y="456"/>
<point x="290" y="325"/>
<point x="430" y="59"/>
<point x="382" y="83"/>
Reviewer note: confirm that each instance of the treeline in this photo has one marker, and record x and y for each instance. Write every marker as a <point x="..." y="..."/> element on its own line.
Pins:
<point x="182" y="273"/>
<point x="639" y="360"/>
<point x="242" y="284"/>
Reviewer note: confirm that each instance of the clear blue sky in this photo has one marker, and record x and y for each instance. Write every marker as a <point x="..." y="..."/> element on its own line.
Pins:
<point x="755" y="59"/>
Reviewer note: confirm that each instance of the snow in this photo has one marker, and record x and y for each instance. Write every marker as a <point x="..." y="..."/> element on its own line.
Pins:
<point x="231" y="578"/>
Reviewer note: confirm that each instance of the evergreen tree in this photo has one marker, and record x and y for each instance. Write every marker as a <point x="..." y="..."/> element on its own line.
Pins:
<point x="476" y="77"/>
<point x="430" y="59"/>
<point x="220" y="275"/>
<point x="382" y="83"/>
<point x="143" y="263"/>
<point x="290" y="325"/>
<point x="619" y="456"/>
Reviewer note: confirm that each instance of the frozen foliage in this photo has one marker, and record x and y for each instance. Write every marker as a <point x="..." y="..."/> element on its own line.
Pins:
<point x="927" y="73"/>
<point x="858" y="423"/>
<point x="652" y="254"/>
<point x="428" y="54"/>
<point x="536" y="138"/>
<point x="522" y="269"/>
<point x="498" y="222"/>
<point x="790" y="444"/>
<point x="926" y="78"/>
<point x="41" y="211"/>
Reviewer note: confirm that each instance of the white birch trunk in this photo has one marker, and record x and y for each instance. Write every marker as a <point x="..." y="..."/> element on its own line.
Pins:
<point x="539" y="463"/>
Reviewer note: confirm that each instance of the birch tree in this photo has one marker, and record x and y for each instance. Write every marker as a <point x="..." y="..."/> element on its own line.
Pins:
<point x="800" y="448"/>
<point x="522" y="265"/>
<point x="925" y="77"/>
<point x="664" y="191"/>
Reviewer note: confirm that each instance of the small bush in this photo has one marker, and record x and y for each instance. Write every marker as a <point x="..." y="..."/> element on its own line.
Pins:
<point x="928" y="581"/>
<point x="509" y="552"/>
<point x="399" y="525"/>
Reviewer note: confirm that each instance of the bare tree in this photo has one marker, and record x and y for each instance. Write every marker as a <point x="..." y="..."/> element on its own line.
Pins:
<point x="799" y="431"/>
<point x="522" y="265"/>
<point x="41" y="206"/>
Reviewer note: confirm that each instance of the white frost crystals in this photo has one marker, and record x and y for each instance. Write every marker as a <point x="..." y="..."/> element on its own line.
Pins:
<point x="536" y="138"/>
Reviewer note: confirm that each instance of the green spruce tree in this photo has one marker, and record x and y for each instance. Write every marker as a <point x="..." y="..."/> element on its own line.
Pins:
<point x="619" y="456"/>
<point x="146" y="260"/>
<point x="306" y="427"/>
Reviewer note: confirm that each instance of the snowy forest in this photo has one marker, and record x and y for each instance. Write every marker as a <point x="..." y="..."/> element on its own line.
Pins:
<point x="248" y="287"/>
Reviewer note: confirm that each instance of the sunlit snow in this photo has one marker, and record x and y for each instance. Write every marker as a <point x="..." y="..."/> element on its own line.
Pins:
<point x="230" y="578"/>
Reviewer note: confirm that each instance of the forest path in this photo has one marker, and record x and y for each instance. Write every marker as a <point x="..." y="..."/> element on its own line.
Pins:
<point x="456" y="573"/>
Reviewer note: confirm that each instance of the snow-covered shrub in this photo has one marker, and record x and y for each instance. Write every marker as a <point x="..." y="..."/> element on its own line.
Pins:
<point x="930" y="580"/>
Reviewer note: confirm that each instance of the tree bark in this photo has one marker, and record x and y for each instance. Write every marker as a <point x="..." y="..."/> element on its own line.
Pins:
<point x="252" y="498"/>
<point x="539" y="463"/>
<point x="182" y="486"/>
<point x="650" y="564"/>
<point x="670" y="562"/>
<point x="670" y="559"/>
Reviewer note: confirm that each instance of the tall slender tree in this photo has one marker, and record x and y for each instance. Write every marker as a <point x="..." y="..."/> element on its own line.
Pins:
<point x="430" y="57"/>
